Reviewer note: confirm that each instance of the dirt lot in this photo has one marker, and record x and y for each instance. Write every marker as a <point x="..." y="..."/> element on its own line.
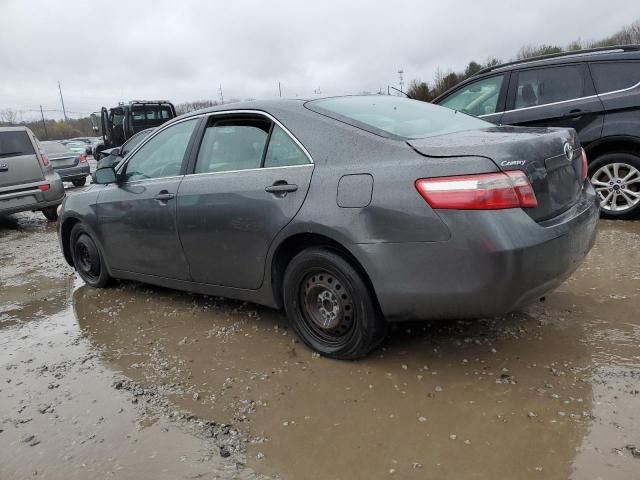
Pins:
<point x="142" y="382"/>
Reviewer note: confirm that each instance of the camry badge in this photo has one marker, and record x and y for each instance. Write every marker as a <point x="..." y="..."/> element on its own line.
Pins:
<point x="568" y="151"/>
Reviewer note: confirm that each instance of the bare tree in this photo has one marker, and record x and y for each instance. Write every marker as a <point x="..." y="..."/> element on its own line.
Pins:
<point x="9" y="116"/>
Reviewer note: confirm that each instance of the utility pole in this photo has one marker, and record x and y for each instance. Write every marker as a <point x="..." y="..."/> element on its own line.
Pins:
<point x="221" y="97"/>
<point x="44" y="124"/>
<point x="64" y="111"/>
<point x="280" y="89"/>
<point x="400" y="73"/>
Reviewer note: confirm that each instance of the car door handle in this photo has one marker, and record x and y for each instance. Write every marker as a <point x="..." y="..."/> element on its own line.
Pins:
<point x="575" y="114"/>
<point x="281" y="188"/>
<point x="164" y="196"/>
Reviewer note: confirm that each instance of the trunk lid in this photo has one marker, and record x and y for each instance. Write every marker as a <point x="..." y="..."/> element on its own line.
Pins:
<point x="550" y="157"/>
<point x="19" y="163"/>
<point x="64" y="161"/>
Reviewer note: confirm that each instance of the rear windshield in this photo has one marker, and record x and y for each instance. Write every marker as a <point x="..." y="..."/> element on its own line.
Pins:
<point x="396" y="116"/>
<point x="54" y="147"/>
<point x="15" y="143"/>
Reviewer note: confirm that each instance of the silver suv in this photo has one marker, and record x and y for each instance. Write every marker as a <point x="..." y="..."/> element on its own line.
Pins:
<point x="27" y="179"/>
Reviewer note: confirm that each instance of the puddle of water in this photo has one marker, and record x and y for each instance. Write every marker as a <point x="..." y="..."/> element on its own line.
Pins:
<point x="550" y="392"/>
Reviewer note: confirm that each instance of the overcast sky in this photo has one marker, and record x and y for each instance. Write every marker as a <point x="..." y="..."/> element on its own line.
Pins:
<point x="110" y="50"/>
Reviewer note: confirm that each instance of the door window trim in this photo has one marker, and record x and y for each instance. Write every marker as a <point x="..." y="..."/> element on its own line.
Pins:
<point x="589" y="86"/>
<point x="200" y="136"/>
<point x="197" y="135"/>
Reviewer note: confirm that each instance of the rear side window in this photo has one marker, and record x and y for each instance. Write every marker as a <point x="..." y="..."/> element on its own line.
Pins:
<point x="549" y="85"/>
<point x="13" y="144"/>
<point x="283" y="151"/>
<point x="230" y="145"/>
<point x="612" y="76"/>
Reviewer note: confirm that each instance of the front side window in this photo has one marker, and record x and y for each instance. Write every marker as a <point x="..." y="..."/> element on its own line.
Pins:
<point x="477" y="98"/>
<point x="161" y="156"/>
<point x="232" y="145"/>
<point x="395" y="116"/>
<point x="283" y="151"/>
<point x="612" y="76"/>
<point x="549" y="85"/>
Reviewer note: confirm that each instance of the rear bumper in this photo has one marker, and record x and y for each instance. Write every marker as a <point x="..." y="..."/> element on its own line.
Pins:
<point x="21" y="198"/>
<point x="72" y="173"/>
<point x="495" y="262"/>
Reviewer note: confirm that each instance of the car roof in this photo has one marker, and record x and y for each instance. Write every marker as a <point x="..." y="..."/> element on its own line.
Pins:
<point x="14" y="129"/>
<point x="260" y="105"/>
<point x="621" y="52"/>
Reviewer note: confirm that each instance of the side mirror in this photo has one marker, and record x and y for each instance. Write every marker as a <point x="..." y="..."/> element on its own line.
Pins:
<point x="116" y="152"/>
<point x="106" y="175"/>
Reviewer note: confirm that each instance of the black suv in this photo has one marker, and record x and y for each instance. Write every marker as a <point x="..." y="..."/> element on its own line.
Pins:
<point x="595" y="91"/>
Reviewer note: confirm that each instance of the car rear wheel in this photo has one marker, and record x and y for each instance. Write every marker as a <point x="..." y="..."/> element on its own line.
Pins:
<point x="329" y="305"/>
<point x="87" y="258"/>
<point x="79" y="182"/>
<point x="616" y="178"/>
<point x="50" y="213"/>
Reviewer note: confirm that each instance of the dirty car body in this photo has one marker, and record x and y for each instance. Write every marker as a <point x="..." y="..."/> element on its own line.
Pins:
<point x="27" y="179"/>
<point x="350" y="212"/>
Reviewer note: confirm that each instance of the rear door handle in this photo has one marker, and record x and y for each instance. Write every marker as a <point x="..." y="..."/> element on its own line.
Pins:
<point x="164" y="196"/>
<point x="281" y="188"/>
<point x="575" y="114"/>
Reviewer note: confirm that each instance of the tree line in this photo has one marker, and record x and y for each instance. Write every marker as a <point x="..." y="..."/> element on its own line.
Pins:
<point x="444" y="80"/>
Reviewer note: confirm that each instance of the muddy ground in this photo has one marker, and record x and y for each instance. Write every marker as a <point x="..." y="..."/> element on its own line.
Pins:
<point x="142" y="382"/>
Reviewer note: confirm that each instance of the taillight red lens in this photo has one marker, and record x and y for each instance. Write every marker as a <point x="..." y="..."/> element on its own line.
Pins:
<point x="45" y="159"/>
<point x="44" y="188"/>
<point x="585" y="166"/>
<point x="486" y="191"/>
<point x="83" y="158"/>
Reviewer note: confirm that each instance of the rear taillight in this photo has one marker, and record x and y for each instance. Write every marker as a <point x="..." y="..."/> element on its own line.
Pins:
<point x="486" y="191"/>
<point x="585" y="166"/>
<point x="83" y="158"/>
<point x="45" y="159"/>
<point x="44" y="188"/>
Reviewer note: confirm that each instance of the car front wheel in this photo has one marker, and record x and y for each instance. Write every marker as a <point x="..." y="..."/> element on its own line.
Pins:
<point x="79" y="182"/>
<point x="616" y="178"/>
<point x="329" y="305"/>
<point x="87" y="258"/>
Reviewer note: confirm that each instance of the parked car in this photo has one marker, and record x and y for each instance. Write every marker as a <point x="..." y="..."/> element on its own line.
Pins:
<point x="27" y="179"/>
<point x="595" y="91"/>
<point x="112" y="156"/>
<point x="76" y="147"/>
<point x="349" y="212"/>
<point x="87" y="141"/>
<point x="71" y="166"/>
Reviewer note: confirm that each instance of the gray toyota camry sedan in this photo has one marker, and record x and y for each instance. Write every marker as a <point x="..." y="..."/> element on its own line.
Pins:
<point x="348" y="212"/>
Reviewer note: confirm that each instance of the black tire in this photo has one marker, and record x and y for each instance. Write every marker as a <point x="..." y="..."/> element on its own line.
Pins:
<point x="50" y="213"/>
<point x="79" y="182"/>
<point x="87" y="258"/>
<point x="604" y="183"/>
<point x="321" y="287"/>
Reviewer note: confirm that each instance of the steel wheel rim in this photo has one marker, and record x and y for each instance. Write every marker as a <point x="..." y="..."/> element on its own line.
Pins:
<point x="618" y="186"/>
<point x="87" y="263"/>
<point x="327" y="307"/>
